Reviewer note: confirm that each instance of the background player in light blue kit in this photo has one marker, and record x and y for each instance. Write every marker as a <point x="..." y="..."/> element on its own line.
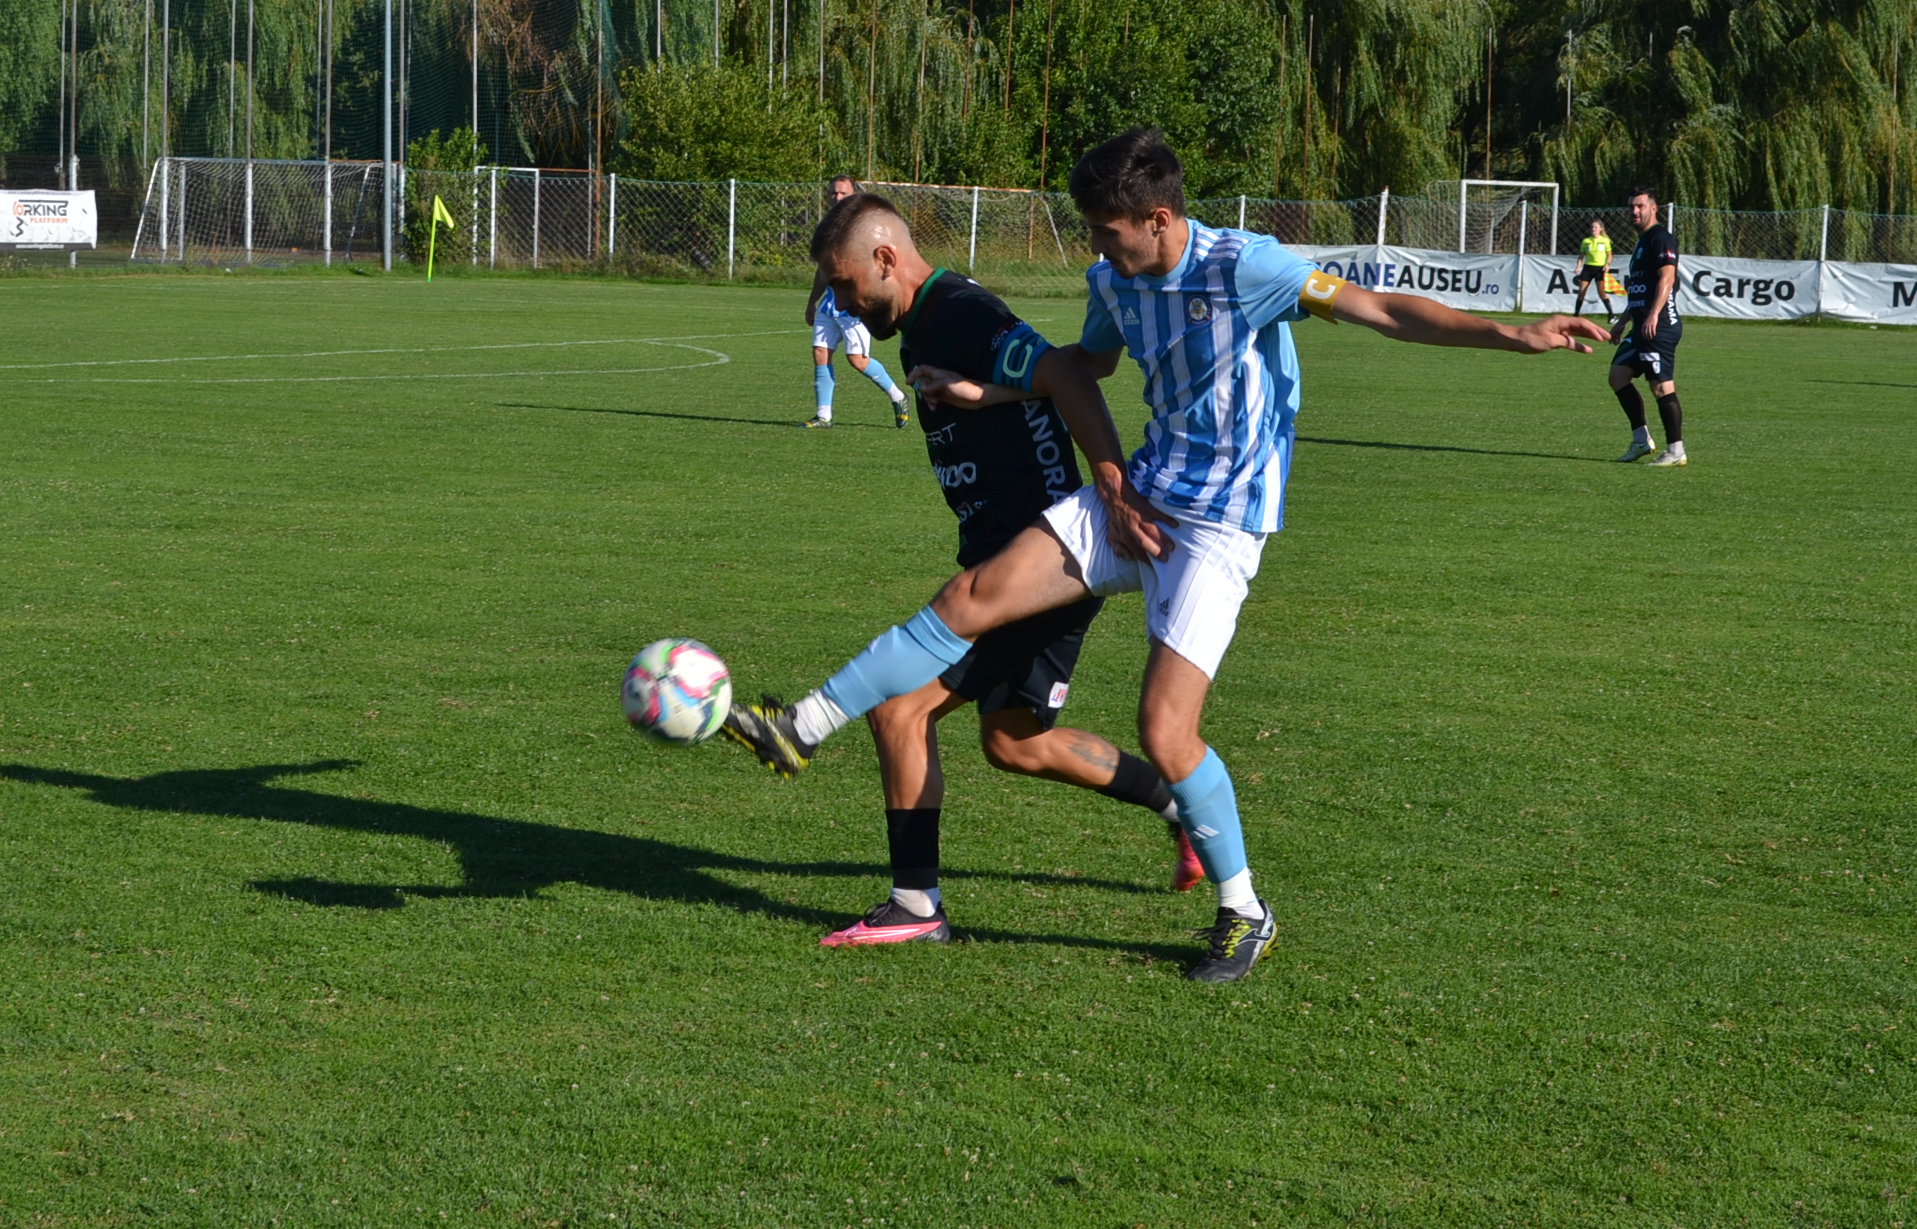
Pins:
<point x="832" y="328"/>
<point x="1205" y="314"/>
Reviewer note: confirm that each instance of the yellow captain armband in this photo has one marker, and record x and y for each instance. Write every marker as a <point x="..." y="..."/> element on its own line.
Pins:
<point x="1320" y="292"/>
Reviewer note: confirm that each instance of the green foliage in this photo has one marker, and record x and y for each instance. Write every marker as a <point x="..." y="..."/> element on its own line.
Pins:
<point x="1757" y="104"/>
<point x="458" y="150"/>
<point x="697" y="122"/>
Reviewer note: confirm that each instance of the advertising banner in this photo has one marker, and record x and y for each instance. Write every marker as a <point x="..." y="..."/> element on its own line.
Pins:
<point x="1458" y="279"/>
<point x="1548" y="287"/>
<point x="48" y="221"/>
<point x="1882" y="294"/>
<point x="1746" y="289"/>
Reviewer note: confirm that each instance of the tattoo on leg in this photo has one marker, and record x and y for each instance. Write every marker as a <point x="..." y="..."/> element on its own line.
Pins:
<point x="1092" y="749"/>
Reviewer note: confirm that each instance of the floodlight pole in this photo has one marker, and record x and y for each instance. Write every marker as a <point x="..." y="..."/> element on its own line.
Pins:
<point x="386" y="150"/>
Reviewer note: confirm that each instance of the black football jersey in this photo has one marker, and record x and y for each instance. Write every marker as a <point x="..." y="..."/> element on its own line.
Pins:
<point x="1002" y="466"/>
<point x="1656" y="248"/>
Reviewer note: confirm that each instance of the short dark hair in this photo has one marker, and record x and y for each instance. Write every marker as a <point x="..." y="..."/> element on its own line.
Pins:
<point x="843" y="218"/>
<point x="853" y="180"/>
<point x="1129" y="176"/>
<point x="1641" y="190"/>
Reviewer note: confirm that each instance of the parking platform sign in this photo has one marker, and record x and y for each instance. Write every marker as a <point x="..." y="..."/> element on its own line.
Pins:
<point x="48" y="222"/>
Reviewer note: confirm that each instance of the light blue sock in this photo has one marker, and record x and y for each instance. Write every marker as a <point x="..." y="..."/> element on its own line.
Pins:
<point x="901" y="660"/>
<point x="875" y="372"/>
<point x="1208" y="808"/>
<point x="822" y="386"/>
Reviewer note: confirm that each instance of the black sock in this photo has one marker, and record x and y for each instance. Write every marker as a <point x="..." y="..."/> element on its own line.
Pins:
<point x="1633" y="406"/>
<point x="1138" y="783"/>
<point x="913" y="835"/>
<point x="1673" y="415"/>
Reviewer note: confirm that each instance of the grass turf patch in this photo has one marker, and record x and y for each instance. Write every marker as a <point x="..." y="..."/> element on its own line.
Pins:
<point x="333" y="890"/>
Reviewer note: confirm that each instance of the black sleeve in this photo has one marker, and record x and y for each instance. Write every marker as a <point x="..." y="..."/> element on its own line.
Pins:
<point x="1663" y="252"/>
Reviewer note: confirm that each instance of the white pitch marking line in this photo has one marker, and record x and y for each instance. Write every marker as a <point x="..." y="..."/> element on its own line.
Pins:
<point x="512" y="345"/>
<point x="719" y="358"/>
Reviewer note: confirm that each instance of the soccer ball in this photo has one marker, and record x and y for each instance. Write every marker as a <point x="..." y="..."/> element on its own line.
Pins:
<point x="678" y="691"/>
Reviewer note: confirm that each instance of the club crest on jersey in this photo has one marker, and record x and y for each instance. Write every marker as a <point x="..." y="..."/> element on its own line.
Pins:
<point x="1197" y="310"/>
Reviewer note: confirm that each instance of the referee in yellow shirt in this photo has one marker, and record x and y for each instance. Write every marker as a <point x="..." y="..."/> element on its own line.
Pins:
<point x="1596" y="251"/>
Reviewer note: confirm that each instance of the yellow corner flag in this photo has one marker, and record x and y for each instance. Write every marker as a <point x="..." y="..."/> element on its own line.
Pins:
<point x="440" y="214"/>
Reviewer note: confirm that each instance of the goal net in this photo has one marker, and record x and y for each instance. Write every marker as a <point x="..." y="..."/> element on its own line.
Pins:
<point x="1498" y="215"/>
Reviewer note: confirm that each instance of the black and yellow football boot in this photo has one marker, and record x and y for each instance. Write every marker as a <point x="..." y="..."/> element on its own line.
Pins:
<point x="766" y="729"/>
<point x="1237" y="943"/>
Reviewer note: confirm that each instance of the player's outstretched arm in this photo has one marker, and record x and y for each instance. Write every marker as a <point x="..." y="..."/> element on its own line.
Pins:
<point x="1408" y="317"/>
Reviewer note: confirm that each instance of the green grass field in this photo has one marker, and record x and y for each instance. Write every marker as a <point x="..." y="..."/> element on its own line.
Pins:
<point x="334" y="891"/>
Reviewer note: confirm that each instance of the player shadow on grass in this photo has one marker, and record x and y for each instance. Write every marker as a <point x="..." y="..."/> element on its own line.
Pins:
<point x="1476" y="452"/>
<point x="747" y="422"/>
<point x="509" y="857"/>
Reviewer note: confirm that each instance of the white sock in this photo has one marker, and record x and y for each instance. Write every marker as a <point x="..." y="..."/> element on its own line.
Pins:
<point x="898" y="397"/>
<point x="825" y="413"/>
<point x="1639" y="435"/>
<point x="816" y="718"/>
<point x="1676" y="449"/>
<point x="1236" y="895"/>
<point x="1170" y="813"/>
<point x="921" y="902"/>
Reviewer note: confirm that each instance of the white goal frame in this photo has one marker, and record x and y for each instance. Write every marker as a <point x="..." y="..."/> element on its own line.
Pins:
<point x="1465" y="185"/>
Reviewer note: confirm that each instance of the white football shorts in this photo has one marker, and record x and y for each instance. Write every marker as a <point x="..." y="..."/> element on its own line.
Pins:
<point x="1191" y="597"/>
<point x="830" y="329"/>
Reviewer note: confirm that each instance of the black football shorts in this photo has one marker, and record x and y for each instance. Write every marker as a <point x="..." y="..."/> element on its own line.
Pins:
<point x="1027" y="664"/>
<point x="1590" y="273"/>
<point x="1656" y="358"/>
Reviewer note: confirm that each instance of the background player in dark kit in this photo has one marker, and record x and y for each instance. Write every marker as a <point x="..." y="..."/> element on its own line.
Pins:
<point x="999" y="469"/>
<point x="1650" y="351"/>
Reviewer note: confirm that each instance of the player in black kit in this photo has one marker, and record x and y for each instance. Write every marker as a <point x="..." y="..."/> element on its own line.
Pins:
<point x="1651" y="349"/>
<point x="1000" y="468"/>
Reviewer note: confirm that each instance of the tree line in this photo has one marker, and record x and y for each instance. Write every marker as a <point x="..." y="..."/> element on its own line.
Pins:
<point x="1738" y="104"/>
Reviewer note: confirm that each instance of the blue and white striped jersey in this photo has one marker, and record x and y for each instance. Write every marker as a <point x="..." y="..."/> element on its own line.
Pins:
<point x="830" y="306"/>
<point x="1221" y="376"/>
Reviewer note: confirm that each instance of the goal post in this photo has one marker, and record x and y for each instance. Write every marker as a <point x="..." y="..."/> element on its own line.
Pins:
<point x="1486" y="206"/>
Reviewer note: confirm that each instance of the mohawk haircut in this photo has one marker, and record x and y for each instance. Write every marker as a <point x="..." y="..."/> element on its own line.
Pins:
<point x="844" y="218"/>
<point x="1129" y="176"/>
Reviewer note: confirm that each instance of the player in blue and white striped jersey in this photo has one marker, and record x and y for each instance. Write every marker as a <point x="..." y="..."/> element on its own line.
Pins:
<point x="1206" y="314"/>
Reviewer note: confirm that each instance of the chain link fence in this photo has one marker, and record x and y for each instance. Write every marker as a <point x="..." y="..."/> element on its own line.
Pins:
<point x="223" y="211"/>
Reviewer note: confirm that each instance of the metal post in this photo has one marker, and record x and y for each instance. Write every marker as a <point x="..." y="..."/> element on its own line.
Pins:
<point x="249" y="131"/>
<point x="166" y="98"/>
<point x="732" y="221"/>
<point x="146" y="73"/>
<point x="166" y="218"/>
<point x="183" y="211"/>
<point x="473" y="181"/>
<point x="1554" y="219"/>
<point x="73" y="160"/>
<point x="1524" y="222"/>
<point x="1671" y="218"/>
<point x="1823" y="237"/>
<point x="386" y="150"/>
<point x="326" y="220"/>
<point x="535" y="172"/>
<point x="1461" y="188"/>
<point x="971" y="254"/>
<point x="1384" y="203"/>
<point x="60" y="133"/>
<point x="492" y="223"/>
<point x="612" y="215"/>
<point x="1241" y="211"/>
